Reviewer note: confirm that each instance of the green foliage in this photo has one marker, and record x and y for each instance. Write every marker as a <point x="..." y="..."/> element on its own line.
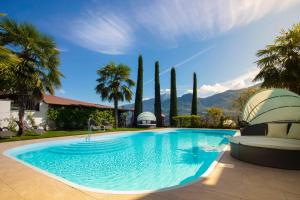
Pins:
<point x="280" y="61"/>
<point x="7" y="60"/>
<point x="70" y="118"/>
<point x="114" y="84"/>
<point x="173" y="98"/>
<point x="138" y="104"/>
<point x="12" y="124"/>
<point x="52" y="114"/>
<point x="102" y="117"/>
<point x="157" y="102"/>
<point x="214" y="117"/>
<point x="31" y="120"/>
<point x="188" y="121"/>
<point x="194" y="98"/>
<point x="37" y="68"/>
<point x="243" y="97"/>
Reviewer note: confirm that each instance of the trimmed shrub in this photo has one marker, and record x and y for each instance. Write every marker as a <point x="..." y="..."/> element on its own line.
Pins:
<point x="69" y="118"/>
<point x="103" y="117"/>
<point x="188" y="121"/>
<point x="173" y="99"/>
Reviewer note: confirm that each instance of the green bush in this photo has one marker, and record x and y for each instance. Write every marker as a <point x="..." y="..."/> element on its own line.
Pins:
<point x="103" y="117"/>
<point x="70" y="118"/>
<point x="12" y="124"/>
<point x="31" y="120"/>
<point x="214" y="117"/>
<point x="188" y="121"/>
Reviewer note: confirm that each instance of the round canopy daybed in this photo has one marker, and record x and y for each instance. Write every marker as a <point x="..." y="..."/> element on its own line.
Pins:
<point x="272" y="134"/>
<point x="146" y="119"/>
<point x="272" y="105"/>
<point x="267" y="151"/>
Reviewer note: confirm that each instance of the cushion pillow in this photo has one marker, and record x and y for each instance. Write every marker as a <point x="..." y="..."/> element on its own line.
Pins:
<point x="278" y="130"/>
<point x="294" y="131"/>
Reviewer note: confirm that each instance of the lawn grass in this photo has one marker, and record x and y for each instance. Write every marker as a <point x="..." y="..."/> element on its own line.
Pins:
<point x="50" y="134"/>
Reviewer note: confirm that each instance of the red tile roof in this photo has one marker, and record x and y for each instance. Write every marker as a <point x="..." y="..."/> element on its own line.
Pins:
<point x="54" y="100"/>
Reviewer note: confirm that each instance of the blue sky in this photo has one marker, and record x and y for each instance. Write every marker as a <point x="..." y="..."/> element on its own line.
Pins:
<point x="216" y="39"/>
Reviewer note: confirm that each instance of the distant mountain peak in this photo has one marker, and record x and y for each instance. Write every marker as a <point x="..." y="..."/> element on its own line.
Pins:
<point x="165" y="96"/>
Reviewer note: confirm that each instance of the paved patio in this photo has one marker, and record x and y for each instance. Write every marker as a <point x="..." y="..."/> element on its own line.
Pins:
<point x="231" y="179"/>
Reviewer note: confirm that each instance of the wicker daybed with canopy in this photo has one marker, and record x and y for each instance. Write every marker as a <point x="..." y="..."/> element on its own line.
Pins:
<point x="271" y="136"/>
<point x="146" y="119"/>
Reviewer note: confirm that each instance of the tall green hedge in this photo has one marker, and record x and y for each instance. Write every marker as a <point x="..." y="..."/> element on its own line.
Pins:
<point x="157" y="101"/>
<point x="138" y="103"/>
<point x="188" y="121"/>
<point x="69" y="118"/>
<point x="194" y="99"/>
<point x="173" y="98"/>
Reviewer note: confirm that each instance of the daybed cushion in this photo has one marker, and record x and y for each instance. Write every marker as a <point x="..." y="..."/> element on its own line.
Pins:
<point x="294" y="131"/>
<point x="267" y="142"/>
<point x="277" y="130"/>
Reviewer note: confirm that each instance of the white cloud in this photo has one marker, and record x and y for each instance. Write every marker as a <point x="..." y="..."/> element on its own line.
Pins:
<point x="113" y="30"/>
<point x="105" y="33"/>
<point x="165" y="91"/>
<point x="202" y="18"/>
<point x="242" y="81"/>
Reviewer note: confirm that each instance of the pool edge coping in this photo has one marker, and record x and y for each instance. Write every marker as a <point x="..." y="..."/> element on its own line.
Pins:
<point x="120" y="192"/>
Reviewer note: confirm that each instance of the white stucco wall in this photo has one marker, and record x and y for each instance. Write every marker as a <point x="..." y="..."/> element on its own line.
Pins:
<point x="40" y="117"/>
<point x="4" y="112"/>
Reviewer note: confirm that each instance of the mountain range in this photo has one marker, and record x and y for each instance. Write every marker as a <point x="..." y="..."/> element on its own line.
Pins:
<point x="222" y="100"/>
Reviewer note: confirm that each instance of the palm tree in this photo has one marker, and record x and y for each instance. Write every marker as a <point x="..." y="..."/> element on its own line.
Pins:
<point x="114" y="85"/>
<point x="280" y="62"/>
<point x="7" y="60"/>
<point x="37" y="71"/>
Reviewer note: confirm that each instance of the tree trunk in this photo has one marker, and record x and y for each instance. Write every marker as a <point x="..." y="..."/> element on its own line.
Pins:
<point x="116" y="112"/>
<point x="21" y="117"/>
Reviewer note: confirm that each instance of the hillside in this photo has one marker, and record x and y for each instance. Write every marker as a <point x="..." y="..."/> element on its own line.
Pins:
<point x="223" y="100"/>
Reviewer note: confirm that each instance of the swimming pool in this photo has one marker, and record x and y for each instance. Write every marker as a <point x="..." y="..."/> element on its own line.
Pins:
<point x="128" y="162"/>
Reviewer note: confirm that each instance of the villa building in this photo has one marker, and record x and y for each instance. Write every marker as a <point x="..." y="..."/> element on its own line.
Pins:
<point x="8" y="109"/>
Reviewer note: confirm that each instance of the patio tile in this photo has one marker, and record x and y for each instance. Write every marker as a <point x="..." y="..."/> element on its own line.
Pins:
<point x="291" y="196"/>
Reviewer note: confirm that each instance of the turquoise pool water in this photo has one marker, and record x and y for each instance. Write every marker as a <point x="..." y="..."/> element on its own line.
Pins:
<point x="133" y="162"/>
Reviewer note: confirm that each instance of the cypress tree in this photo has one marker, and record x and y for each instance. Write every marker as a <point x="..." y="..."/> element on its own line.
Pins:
<point x="138" y="104"/>
<point x="157" y="102"/>
<point x="173" y="98"/>
<point x="194" y="99"/>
